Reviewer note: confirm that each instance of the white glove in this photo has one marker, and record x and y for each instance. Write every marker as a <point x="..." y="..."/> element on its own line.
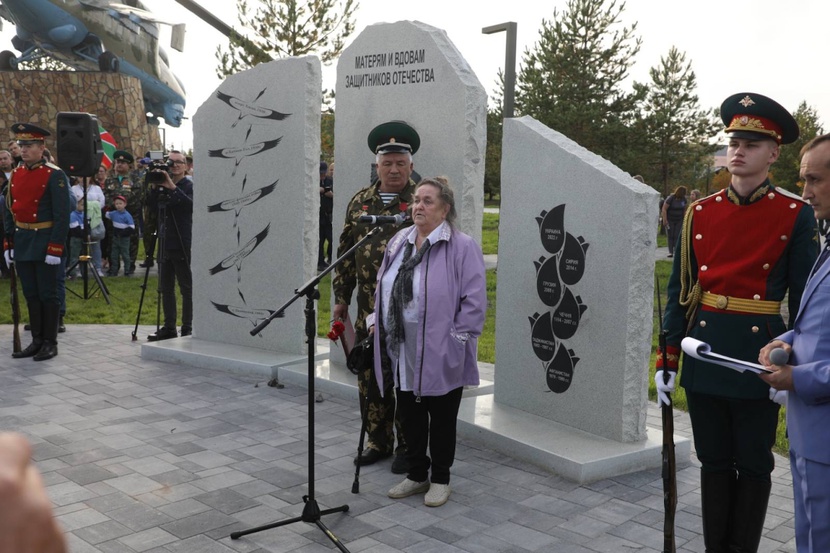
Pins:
<point x="778" y="396"/>
<point x="663" y="388"/>
<point x="52" y="260"/>
<point x="9" y="255"/>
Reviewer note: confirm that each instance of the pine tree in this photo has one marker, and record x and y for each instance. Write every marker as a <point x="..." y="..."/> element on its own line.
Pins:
<point x="287" y="28"/>
<point x="785" y="171"/>
<point x="677" y="129"/>
<point x="572" y="78"/>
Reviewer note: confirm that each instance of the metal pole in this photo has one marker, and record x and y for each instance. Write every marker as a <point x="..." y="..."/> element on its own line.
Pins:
<point x="509" y="63"/>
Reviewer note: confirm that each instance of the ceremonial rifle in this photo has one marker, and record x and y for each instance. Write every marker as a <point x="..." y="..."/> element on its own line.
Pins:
<point x="669" y="464"/>
<point x="15" y="307"/>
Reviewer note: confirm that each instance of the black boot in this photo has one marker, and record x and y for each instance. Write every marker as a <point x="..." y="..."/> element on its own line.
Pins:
<point x="748" y="514"/>
<point x="51" y="318"/>
<point x="36" y="328"/>
<point x="61" y="326"/>
<point x="717" y="490"/>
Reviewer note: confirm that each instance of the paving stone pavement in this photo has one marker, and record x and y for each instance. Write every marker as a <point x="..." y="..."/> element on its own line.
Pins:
<point x="143" y="456"/>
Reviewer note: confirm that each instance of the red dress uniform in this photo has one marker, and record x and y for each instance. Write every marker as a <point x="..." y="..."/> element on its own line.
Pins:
<point x="738" y="260"/>
<point x="37" y="222"/>
<point x="742" y="256"/>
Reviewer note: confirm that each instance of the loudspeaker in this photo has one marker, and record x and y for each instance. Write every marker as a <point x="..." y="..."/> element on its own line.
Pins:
<point x="79" y="143"/>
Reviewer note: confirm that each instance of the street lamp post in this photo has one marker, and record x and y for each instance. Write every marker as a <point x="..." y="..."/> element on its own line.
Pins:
<point x="509" y="63"/>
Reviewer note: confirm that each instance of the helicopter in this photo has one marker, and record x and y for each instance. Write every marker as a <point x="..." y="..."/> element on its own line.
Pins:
<point x="100" y="35"/>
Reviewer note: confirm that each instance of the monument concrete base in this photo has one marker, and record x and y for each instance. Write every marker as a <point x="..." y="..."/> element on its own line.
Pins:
<point x="571" y="453"/>
<point x="194" y="352"/>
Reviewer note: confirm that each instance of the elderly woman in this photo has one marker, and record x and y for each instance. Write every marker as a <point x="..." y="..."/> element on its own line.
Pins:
<point x="429" y="311"/>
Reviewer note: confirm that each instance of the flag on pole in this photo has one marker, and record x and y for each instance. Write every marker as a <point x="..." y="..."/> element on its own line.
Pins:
<point x="109" y="147"/>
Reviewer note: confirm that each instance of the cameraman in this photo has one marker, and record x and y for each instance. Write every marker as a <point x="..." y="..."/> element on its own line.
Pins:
<point x="171" y="195"/>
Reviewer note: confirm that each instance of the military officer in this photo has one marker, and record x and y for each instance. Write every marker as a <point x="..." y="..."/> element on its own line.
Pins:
<point x="393" y="144"/>
<point x="126" y="182"/>
<point x="37" y="224"/>
<point x="741" y="250"/>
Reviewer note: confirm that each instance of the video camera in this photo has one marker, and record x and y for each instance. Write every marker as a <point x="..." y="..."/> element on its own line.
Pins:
<point x="157" y="164"/>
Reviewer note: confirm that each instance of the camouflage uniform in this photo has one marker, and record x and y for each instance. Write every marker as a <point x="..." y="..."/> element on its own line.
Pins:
<point x="361" y="270"/>
<point x="131" y="187"/>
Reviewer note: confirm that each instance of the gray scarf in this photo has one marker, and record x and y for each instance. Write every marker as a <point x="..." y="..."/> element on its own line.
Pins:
<point x="402" y="293"/>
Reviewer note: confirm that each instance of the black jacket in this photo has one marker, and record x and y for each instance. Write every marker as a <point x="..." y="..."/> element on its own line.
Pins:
<point x="177" y="208"/>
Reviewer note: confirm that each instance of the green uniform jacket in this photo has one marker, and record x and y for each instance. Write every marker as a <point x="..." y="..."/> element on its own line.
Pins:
<point x="130" y="186"/>
<point x="361" y="268"/>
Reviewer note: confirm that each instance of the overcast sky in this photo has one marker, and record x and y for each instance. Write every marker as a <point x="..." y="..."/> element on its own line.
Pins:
<point x="767" y="46"/>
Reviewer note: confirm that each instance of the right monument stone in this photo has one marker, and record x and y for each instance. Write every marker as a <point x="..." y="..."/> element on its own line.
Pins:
<point x="575" y="285"/>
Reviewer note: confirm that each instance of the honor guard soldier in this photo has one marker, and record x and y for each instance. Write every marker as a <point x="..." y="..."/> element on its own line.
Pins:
<point x="393" y="144"/>
<point x="741" y="250"/>
<point x="37" y="224"/>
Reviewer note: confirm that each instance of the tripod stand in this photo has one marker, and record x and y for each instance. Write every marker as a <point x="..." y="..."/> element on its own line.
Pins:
<point x="148" y="264"/>
<point x="311" y="511"/>
<point x="83" y="259"/>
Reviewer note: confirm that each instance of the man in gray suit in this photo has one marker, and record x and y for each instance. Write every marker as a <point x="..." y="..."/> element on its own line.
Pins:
<point x="807" y="376"/>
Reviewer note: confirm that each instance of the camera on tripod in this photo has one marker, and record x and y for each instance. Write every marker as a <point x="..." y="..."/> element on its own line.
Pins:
<point x="154" y="175"/>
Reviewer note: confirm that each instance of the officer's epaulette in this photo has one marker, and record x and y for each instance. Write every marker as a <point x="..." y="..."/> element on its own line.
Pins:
<point x="52" y="166"/>
<point x="788" y="194"/>
<point x="710" y="198"/>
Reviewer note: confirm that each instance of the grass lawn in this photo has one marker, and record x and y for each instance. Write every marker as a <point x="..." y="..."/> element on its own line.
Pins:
<point x="125" y="294"/>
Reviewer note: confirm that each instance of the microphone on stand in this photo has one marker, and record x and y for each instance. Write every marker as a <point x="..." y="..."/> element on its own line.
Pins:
<point x="396" y="220"/>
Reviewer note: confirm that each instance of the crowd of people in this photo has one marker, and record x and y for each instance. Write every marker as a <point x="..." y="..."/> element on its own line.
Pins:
<point x="52" y="222"/>
<point x="420" y="293"/>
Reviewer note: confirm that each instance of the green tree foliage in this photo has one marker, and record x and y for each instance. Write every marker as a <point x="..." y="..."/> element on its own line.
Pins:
<point x="327" y="136"/>
<point x="677" y="129"/>
<point x="572" y="78"/>
<point x="284" y="28"/>
<point x="785" y="171"/>
<point x="492" y="158"/>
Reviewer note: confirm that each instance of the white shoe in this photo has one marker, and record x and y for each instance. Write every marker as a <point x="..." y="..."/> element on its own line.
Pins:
<point x="408" y="487"/>
<point x="437" y="495"/>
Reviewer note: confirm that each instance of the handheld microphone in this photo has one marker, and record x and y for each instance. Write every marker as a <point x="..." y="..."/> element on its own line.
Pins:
<point x="383" y="219"/>
<point x="778" y="356"/>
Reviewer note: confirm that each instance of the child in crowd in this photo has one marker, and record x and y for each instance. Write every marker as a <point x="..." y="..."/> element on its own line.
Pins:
<point x="77" y="235"/>
<point x="122" y="228"/>
<point x="76" y="238"/>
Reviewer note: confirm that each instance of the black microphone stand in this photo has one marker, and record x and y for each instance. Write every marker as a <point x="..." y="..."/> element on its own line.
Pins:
<point x="84" y="257"/>
<point x="311" y="511"/>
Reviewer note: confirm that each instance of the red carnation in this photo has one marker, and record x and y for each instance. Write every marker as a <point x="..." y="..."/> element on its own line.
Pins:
<point x="337" y="328"/>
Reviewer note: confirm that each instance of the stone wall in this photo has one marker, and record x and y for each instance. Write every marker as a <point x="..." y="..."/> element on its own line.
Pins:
<point x="38" y="96"/>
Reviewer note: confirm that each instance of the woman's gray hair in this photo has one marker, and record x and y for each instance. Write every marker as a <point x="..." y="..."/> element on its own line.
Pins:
<point x="444" y="192"/>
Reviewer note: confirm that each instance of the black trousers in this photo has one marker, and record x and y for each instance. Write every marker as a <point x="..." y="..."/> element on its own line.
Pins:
<point x="39" y="281"/>
<point x="431" y="423"/>
<point x="324" y="249"/>
<point x="734" y="434"/>
<point x="175" y="266"/>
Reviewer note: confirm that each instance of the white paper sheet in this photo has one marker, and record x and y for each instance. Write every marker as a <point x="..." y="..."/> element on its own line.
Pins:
<point x="703" y="351"/>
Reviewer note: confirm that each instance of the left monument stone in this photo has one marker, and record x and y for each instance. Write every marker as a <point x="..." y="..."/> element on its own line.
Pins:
<point x="257" y="154"/>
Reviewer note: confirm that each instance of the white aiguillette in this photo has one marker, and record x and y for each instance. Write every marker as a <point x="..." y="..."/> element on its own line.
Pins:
<point x="703" y="351"/>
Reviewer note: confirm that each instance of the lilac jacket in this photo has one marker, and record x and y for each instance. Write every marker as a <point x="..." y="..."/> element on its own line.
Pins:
<point x="452" y="305"/>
